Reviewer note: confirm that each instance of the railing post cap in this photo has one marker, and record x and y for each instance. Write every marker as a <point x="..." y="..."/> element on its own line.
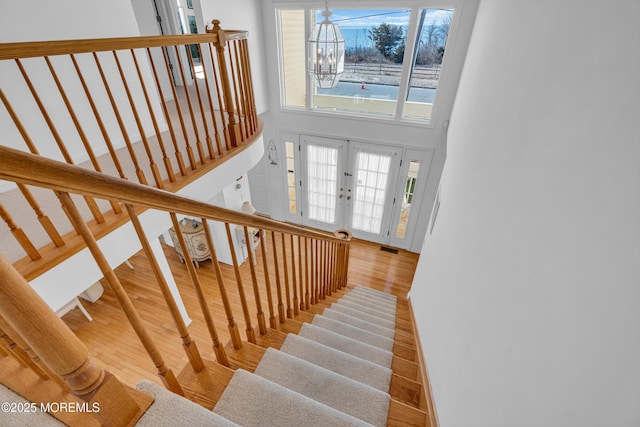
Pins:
<point x="343" y="234"/>
<point x="222" y="40"/>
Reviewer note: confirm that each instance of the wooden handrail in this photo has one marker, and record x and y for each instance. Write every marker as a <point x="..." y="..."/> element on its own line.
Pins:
<point x="65" y="47"/>
<point x="18" y="166"/>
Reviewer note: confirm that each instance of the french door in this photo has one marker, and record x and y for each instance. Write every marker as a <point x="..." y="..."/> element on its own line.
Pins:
<point x="348" y="185"/>
<point x="369" y="182"/>
<point x="323" y="163"/>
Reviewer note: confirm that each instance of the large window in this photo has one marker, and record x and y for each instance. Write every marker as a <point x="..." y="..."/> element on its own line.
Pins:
<point x="393" y="61"/>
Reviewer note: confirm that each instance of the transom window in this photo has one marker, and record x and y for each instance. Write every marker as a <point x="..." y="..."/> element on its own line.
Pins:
<point x="393" y="61"/>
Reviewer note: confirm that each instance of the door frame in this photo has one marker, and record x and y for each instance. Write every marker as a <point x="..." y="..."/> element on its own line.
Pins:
<point x="409" y="154"/>
<point x="400" y="166"/>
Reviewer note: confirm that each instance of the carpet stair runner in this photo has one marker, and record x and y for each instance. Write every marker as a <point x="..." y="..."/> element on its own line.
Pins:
<point x="338" y="373"/>
<point x="335" y="372"/>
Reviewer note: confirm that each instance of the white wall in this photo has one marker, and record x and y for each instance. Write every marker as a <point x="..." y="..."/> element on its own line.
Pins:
<point x="527" y="293"/>
<point x="242" y="15"/>
<point x="34" y="20"/>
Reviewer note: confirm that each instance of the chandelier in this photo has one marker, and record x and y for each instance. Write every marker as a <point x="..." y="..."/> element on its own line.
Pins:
<point x="326" y="52"/>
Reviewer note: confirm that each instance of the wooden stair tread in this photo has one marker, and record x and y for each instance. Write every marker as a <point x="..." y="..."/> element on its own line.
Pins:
<point x="205" y="387"/>
<point x="402" y="415"/>
<point x="404" y="338"/>
<point x="290" y="327"/>
<point x="246" y="357"/>
<point x="272" y="338"/>
<point x="406" y="369"/>
<point x="405" y="352"/>
<point x="313" y="309"/>
<point x="302" y="317"/>
<point x="408" y="392"/>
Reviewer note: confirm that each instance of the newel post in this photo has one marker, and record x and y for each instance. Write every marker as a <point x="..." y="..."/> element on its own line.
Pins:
<point x="342" y="254"/>
<point x="234" y="131"/>
<point x="61" y="351"/>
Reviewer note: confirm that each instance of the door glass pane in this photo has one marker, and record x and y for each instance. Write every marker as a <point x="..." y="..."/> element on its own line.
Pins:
<point x="291" y="177"/>
<point x="427" y="62"/>
<point x="407" y="199"/>
<point x="371" y="177"/>
<point x="322" y="182"/>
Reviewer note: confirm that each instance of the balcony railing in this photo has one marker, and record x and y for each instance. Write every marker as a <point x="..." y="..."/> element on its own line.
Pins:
<point x="157" y="110"/>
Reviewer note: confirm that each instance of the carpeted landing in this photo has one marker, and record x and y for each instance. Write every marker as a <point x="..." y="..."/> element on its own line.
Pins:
<point x="335" y="372"/>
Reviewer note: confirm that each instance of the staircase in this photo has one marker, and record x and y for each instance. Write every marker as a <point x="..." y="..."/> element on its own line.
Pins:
<point x="333" y="355"/>
<point x="337" y="371"/>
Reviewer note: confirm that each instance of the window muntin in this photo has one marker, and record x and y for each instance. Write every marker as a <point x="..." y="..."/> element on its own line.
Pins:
<point x="403" y="90"/>
<point x="428" y="53"/>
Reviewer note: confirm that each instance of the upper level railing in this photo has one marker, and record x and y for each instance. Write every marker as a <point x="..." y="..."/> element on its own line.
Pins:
<point x="304" y="265"/>
<point x="156" y="110"/>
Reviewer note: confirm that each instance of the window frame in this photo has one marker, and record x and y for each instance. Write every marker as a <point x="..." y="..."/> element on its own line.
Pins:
<point x="407" y="64"/>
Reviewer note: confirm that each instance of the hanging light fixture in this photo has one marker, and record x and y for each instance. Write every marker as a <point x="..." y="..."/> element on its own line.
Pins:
<point x="326" y="52"/>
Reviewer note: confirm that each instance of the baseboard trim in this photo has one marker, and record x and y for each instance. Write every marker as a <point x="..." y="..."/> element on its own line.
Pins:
<point x="432" y="414"/>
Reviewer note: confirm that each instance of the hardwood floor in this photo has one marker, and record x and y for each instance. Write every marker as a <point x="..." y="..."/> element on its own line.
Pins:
<point x="114" y="345"/>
